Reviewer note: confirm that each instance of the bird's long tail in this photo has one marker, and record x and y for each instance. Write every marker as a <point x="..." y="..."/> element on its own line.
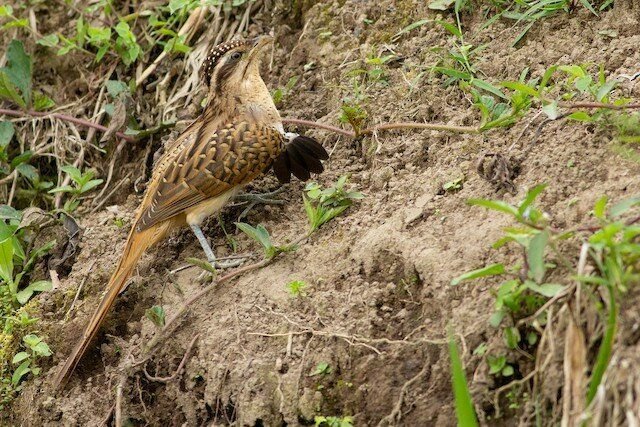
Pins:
<point x="137" y="244"/>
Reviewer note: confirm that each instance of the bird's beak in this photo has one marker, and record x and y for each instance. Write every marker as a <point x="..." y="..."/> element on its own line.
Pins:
<point x="258" y="44"/>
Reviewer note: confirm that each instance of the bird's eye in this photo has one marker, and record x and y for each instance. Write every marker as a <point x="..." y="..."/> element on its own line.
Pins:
<point x="236" y="55"/>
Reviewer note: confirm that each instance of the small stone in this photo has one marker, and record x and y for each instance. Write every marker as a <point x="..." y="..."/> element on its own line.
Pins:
<point x="381" y="177"/>
<point x="411" y="215"/>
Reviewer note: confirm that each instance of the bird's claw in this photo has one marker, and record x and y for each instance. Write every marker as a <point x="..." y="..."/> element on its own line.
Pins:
<point x="262" y="198"/>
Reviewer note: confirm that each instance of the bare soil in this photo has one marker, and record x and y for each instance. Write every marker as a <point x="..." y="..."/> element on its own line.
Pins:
<point x="379" y="300"/>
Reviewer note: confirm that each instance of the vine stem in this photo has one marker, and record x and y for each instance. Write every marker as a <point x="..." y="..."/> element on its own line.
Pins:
<point x="308" y="123"/>
<point x="66" y="118"/>
<point x="383" y="127"/>
<point x="576" y="105"/>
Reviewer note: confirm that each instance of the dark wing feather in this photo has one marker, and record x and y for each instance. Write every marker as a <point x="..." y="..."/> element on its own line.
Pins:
<point x="301" y="157"/>
<point x="209" y="166"/>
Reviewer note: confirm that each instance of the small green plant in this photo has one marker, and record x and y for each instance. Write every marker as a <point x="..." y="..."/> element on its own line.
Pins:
<point x="156" y="314"/>
<point x="532" y="11"/>
<point x="27" y="360"/>
<point x="498" y="366"/>
<point x="323" y="368"/>
<point x="82" y="183"/>
<point x="12" y="248"/>
<point x="527" y="289"/>
<point x="323" y="421"/>
<point x="279" y="94"/>
<point x="615" y="251"/>
<point x="16" y="80"/>
<point x="261" y="235"/>
<point x="297" y="288"/>
<point x="352" y="111"/>
<point x="322" y="205"/>
<point x="453" y="185"/>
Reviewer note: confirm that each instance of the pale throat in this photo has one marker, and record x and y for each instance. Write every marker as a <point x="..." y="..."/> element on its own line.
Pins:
<point x="256" y="102"/>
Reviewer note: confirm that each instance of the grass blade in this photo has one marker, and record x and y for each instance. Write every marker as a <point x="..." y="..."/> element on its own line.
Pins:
<point x="606" y="347"/>
<point x="464" y="405"/>
<point x="490" y="270"/>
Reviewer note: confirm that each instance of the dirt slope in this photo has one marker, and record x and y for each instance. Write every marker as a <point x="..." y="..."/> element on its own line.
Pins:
<point x="378" y="300"/>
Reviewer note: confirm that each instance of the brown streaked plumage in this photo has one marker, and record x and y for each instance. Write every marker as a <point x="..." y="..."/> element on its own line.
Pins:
<point x="238" y="136"/>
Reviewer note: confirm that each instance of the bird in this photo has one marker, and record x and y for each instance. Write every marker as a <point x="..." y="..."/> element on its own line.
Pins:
<point x="238" y="136"/>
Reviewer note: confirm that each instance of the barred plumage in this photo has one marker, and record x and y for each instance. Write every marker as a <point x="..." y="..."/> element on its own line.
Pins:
<point x="238" y="136"/>
<point x="209" y="167"/>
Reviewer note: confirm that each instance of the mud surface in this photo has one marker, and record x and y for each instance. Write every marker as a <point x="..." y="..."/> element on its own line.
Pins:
<point x="378" y="300"/>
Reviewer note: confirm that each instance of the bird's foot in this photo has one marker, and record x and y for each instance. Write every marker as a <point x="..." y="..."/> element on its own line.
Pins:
<point x="258" y="198"/>
<point x="209" y="268"/>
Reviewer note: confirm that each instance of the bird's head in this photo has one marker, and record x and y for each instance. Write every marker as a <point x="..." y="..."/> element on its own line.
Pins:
<point x="234" y="66"/>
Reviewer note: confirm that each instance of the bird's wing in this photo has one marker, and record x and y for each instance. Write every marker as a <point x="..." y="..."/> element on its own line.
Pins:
<point x="209" y="166"/>
<point x="301" y="157"/>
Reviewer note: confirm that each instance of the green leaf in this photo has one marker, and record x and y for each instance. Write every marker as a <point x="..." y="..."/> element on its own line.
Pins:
<point x="42" y="349"/>
<point x="259" y="234"/>
<point x="322" y="368"/>
<point x="20" y="357"/>
<point x="521" y="87"/>
<point x="551" y="110"/>
<point x="6" y="260"/>
<point x="18" y="69"/>
<point x="73" y="172"/>
<point x="413" y="26"/>
<point x="496" y="318"/>
<point x="453" y="73"/>
<point x="6" y="10"/>
<point x="588" y="5"/>
<point x="6" y="133"/>
<point x="27" y="171"/>
<point x="90" y="185"/>
<point x="42" y="102"/>
<point x="488" y="87"/>
<point x="20" y="372"/>
<point x="573" y="70"/>
<point x="600" y="207"/>
<point x="440" y="4"/>
<point x="50" y="40"/>
<point x="548" y="290"/>
<point x="547" y="77"/>
<point x="116" y="87"/>
<point x="31" y="340"/>
<point x="535" y="255"/>
<point x="511" y="337"/>
<point x="580" y="116"/>
<point x="450" y="27"/>
<point x="507" y="371"/>
<point x="496" y="205"/>
<point x="9" y="91"/>
<point x="63" y="189"/>
<point x="624" y="205"/>
<point x="490" y="270"/>
<point x="7" y="212"/>
<point x="463" y="404"/>
<point x="157" y="315"/>
<point x="25" y="294"/>
<point x="606" y="347"/>
<point x="531" y="196"/>
<point x="605" y="89"/>
<point x="205" y="265"/>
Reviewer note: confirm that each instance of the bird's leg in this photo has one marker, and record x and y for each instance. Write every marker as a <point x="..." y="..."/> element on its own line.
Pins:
<point x="209" y="252"/>
<point x="258" y="198"/>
